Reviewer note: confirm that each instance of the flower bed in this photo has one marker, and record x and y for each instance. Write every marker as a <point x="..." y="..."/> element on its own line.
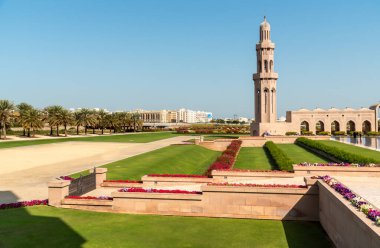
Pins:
<point x="175" y="191"/>
<point x="122" y="181"/>
<point x="177" y="175"/>
<point x="66" y="178"/>
<point x="339" y="164"/>
<point x="358" y="202"/>
<point x="23" y="204"/>
<point x="259" y="185"/>
<point x="227" y="159"/>
<point x="263" y="171"/>
<point x="89" y="197"/>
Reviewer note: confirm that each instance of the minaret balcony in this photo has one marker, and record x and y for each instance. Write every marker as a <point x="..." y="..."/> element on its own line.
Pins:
<point x="265" y="75"/>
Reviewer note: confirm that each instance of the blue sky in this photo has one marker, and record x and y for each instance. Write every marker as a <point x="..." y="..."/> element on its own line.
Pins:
<point x="195" y="54"/>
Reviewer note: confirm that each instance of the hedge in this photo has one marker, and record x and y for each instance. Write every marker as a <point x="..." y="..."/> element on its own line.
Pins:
<point x="338" y="153"/>
<point x="282" y="161"/>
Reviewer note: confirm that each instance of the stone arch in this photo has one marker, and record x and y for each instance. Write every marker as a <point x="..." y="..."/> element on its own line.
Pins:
<point x="260" y="66"/>
<point x="366" y="127"/>
<point x="350" y="127"/>
<point x="304" y="126"/>
<point x="266" y="65"/>
<point x="335" y="126"/>
<point x="272" y="97"/>
<point x="271" y="66"/>
<point x="320" y="126"/>
<point x="266" y="98"/>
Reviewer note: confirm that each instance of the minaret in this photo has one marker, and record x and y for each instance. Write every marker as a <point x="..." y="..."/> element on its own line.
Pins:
<point x="265" y="79"/>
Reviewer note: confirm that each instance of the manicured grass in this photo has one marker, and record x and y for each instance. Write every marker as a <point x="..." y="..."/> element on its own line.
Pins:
<point x="298" y="154"/>
<point x="254" y="158"/>
<point x="127" y="138"/>
<point x="353" y="149"/>
<point x="44" y="226"/>
<point x="175" y="159"/>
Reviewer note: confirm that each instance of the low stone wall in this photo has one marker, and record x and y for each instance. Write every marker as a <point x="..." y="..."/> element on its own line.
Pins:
<point x="150" y="181"/>
<point x="225" y="201"/>
<point x="216" y="145"/>
<point x="336" y="171"/>
<point x="255" y="141"/>
<point x="346" y="227"/>
<point x="234" y="175"/>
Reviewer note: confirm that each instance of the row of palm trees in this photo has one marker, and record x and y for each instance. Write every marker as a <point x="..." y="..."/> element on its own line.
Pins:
<point x="32" y="119"/>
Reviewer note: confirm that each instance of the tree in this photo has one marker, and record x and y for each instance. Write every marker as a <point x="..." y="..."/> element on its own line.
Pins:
<point x="65" y="118"/>
<point x="102" y="119"/>
<point x="22" y="109"/>
<point x="77" y="120"/>
<point x="136" y="120"/>
<point x="6" y="113"/>
<point x="113" y="121"/>
<point x="87" y="118"/>
<point x="125" y="119"/>
<point x="32" y="120"/>
<point x="52" y="115"/>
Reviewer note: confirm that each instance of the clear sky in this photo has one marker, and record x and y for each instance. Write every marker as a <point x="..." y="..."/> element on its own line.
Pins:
<point x="197" y="54"/>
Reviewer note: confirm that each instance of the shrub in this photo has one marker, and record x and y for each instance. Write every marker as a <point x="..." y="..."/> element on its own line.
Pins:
<point x="291" y="133"/>
<point x="306" y="132"/>
<point x="323" y="133"/>
<point x="282" y="161"/>
<point x="338" y="153"/>
<point x="373" y="133"/>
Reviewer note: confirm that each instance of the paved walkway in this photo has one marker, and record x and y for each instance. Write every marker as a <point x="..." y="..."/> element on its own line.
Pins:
<point x="366" y="187"/>
<point x="25" y="171"/>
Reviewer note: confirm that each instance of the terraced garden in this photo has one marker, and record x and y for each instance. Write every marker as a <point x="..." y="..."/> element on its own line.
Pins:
<point x="44" y="226"/>
<point x="175" y="159"/>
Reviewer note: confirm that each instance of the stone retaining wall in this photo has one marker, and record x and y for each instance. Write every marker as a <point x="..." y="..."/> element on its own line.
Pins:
<point x="346" y="227"/>
<point x="336" y="171"/>
<point x="225" y="201"/>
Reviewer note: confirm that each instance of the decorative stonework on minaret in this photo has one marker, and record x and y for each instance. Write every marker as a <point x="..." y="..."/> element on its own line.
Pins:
<point x="265" y="79"/>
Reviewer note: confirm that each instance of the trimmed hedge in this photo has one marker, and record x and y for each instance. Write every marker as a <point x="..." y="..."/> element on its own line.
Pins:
<point x="283" y="162"/>
<point x="338" y="153"/>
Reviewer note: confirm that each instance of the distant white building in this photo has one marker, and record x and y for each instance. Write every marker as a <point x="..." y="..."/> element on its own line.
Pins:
<point x="175" y="116"/>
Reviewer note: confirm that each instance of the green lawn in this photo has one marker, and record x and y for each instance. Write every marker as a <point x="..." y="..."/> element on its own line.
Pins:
<point x="254" y="158"/>
<point x="353" y="149"/>
<point x="298" y="154"/>
<point x="44" y="226"/>
<point x="128" y="138"/>
<point x="175" y="159"/>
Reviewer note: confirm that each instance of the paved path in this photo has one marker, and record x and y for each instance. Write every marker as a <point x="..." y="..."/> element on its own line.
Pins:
<point x="25" y="171"/>
<point x="366" y="187"/>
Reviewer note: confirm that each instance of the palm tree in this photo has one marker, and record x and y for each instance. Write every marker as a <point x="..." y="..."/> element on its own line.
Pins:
<point x="53" y="117"/>
<point x="95" y="116"/>
<point x="136" y="120"/>
<point x="87" y="118"/>
<point x="125" y="119"/>
<point x="23" y="108"/>
<point x="114" y="122"/>
<point x="6" y="112"/>
<point x="66" y="118"/>
<point x="102" y="119"/>
<point x="32" y="120"/>
<point x="78" y="120"/>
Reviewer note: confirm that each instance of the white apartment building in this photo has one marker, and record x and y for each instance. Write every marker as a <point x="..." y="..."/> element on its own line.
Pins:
<point x="175" y="116"/>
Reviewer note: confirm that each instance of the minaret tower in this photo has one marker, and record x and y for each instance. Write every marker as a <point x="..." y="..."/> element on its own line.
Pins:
<point x="265" y="79"/>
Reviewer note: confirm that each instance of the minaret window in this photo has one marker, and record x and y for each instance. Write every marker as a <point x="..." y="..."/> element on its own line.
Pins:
<point x="266" y="100"/>
<point x="266" y="65"/>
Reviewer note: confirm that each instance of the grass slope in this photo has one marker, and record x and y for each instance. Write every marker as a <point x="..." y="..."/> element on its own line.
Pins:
<point x="254" y="158"/>
<point x="175" y="159"/>
<point x="353" y="149"/>
<point x="51" y="227"/>
<point x="128" y="138"/>
<point x="298" y="154"/>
